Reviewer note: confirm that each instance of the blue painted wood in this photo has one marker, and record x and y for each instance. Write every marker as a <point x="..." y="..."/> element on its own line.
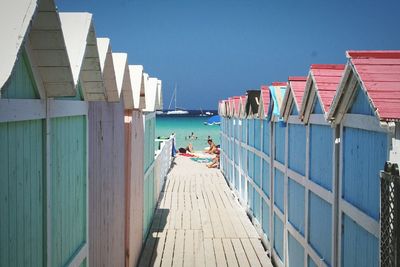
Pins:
<point x="361" y="104"/>
<point x="297" y="148"/>
<point x="266" y="179"/>
<point x="250" y="198"/>
<point x="243" y="162"/>
<point x="279" y="142"/>
<point x="359" y="248"/>
<point x="265" y="218"/>
<point x="320" y="227"/>
<point x="251" y="132"/>
<point x="257" y="170"/>
<point x="278" y="189"/>
<point x="266" y="137"/>
<point x="295" y="252"/>
<point x="237" y="154"/>
<point x="317" y="107"/>
<point x="278" y="237"/>
<point x="321" y="149"/>
<point x="364" y="155"/>
<point x="242" y="190"/>
<point x="257" y="205"/>
<point x="311" y="263"/>
<point x="250" y="164"/>
<point x="244" y="131"/>
<point x="296" y="197"/>
<point x="257" y="134"/>
<point x="294" y="110"/>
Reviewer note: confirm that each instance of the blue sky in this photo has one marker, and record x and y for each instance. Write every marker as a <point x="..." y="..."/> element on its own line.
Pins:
<point x="215" y="49"/>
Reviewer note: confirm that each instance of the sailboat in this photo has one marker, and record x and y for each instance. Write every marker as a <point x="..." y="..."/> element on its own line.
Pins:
<point x="176" y="111"/>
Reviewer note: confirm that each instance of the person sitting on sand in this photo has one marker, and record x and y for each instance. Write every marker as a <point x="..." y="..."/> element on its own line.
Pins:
<point x="212" y="148"/>
<point x="188" y="149"/>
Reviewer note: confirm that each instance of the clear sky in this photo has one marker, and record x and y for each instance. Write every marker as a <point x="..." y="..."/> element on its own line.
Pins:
<point x="214" y="49"/>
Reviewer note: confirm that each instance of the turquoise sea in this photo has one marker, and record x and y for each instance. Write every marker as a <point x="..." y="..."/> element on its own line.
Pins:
<point x="184" y="126"/>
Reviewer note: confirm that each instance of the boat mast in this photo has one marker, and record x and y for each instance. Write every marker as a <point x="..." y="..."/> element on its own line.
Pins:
<point x="175" y="95"/>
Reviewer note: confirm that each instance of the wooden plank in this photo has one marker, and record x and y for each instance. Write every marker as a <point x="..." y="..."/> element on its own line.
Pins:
<point x="226" y="224"/>
<point x="178" y="219"/>
<point x="195" y="220"/>
<point x="206" y="224"/>
<point x="186" y="219"/>
<point x="239" y="252"/>
<point x="216" y="224"/>
<point x="199" y="248"/>
<point x="251" y="255"/>
<point x="179" y="246"/>
<point x="219" y="253"/>
<point x="261" y="253"/>
<point x="237" y="224"/>
<point x="209" y="253"/>
<point x="229" y="252"/>
<point x="158" y="253"/>
<point x="188" y="259"/>
<point x="168" y="249"/>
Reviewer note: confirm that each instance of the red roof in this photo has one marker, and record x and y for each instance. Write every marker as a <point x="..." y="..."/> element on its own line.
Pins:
<point x="265" y="98"/>
<point x="231" y="105"/>
<point x="298" y="85"/>
<point x="327" y="78"/>
<point x="279" y="84"/>
<point x="379" y="72"/>
<point x="236" y="100"/>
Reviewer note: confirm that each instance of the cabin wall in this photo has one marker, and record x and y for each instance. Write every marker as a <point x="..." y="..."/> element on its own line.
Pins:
<point x="43" y="210"/>
<point x="106" y="184"/>
<point x="312" y="190"/>
<point x="134" y="184"/>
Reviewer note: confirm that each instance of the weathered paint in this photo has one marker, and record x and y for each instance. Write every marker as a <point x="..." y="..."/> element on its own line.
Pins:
<point x="106" y="184"/>
<point x="134" y="176"/>
<point x="278" y="237"/>
<point x="22" y="178"/>
<point x="20" y="85"/>
<point x="69" y="187"/>
<point x="321" y="155"/>
<point x="278" y="189"/>
<point x="295" y="252"/>
<point x="359" y="248"/>
<point x="360" y="186"/>
<point x="320" y="227"/>
<point x="297" y="148"/>
<point x="296" y="205"/>
<point x="361" y="104"/>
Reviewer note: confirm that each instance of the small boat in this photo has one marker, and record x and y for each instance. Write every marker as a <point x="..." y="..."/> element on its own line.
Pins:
<point x="176" y="111"/>
<point x="202" y="114"/>
<point x="208" y="113"/>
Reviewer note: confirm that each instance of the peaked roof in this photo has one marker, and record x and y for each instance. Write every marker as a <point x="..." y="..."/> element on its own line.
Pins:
<point x="159" y="98"/>
<point x="107" y="69"/>
<point x="236" y="103"/>
<point x="81" y="43"/>
<point x="252" y="103"/>
<point x="277" y="90"/>
<point x="150" y="93"/>
<point x="36" y="23"/>
<point x="123" y="78"/>
<point x="264" y="102"/>
<point x="136" y="74"/>
<point x="322" y="82"/>
<point x="379" y="74"/>
<point x="293" y="95"/>
<point x="242" y="106"/>
<point x="221" y="108"/>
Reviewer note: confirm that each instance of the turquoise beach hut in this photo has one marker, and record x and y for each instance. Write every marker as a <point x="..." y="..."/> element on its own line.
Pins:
<point x="44" y="144"/>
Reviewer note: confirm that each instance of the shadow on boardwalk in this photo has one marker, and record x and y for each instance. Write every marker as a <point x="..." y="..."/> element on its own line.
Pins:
<point x="198" y="222"/>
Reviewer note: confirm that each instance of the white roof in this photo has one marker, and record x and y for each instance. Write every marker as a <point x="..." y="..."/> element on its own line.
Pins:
<point x="107" y="69"/>
<point x="137" y="82"/>
<point x="83" y="54"/>
<point x="15" y="17"/>
<point x="150" y="93"/>
<point x="45" y="46"/>
<point x="123" y="78"/>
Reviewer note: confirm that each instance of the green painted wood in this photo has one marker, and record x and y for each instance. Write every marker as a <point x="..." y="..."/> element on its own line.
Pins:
<point x="69" y="182"/>
<point x="21" y="84"/>
<point x="21" y="193"/>
<point x="77" y="97"/>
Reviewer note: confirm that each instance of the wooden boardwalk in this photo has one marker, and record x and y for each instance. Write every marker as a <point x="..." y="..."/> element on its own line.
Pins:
<point x="198" y="222"/>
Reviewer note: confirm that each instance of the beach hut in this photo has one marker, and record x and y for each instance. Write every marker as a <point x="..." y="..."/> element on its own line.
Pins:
<point x="318" y="180"/>
<point x="43" y="140"/>
<point x="237" y="130"/>
<point x="134" y="172"/>
<point x="159" y="97"/>
<point x="149" y="119"/>
<point x="366" y="114"/>
<point x="265" y="152"/>
<point x="106" y="137"/>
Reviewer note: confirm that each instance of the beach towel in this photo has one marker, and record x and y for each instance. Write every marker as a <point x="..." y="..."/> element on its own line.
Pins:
<point x="187" y="155"/>
<point x="202" y="160"/>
